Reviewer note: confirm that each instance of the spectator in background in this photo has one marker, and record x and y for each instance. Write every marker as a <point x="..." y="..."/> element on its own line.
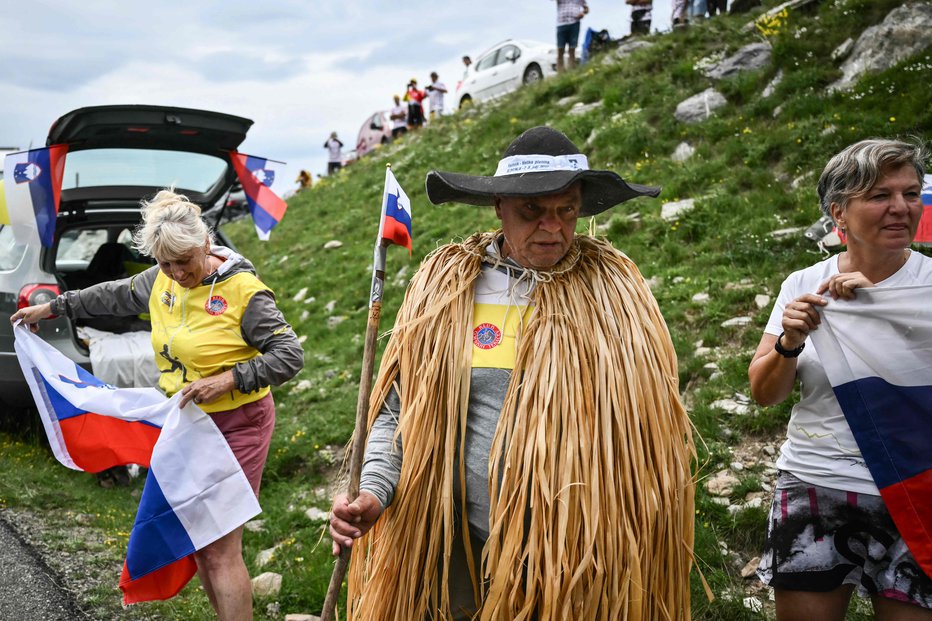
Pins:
<point x="717" y="7"/>
<point x="304" y="180"/>
<point x="697" y="9"/>
<point x="414" y="97"/>
<point x="679" y="13"/>
<point x="569" y="14"/>
<point x="640" y="15"/>
<point x="399" y="117"/>
<point x="335" y="153"/>
<point x="435" y="91"/>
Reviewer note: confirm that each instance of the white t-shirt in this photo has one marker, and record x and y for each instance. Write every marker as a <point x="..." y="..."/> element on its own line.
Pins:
<point x="334" y="147"/>
<point x="820" y="448"/>
<point x="401" y="121"/>
<point x="435" y="97"/>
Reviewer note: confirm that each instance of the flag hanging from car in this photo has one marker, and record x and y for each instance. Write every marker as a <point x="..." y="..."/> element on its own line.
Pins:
<point x="187" y="502"/>
<point x="395" y="225"/>
<point x="877" y="354"/>
<point x="257" y="175"/>
<point x="32" y="185"/>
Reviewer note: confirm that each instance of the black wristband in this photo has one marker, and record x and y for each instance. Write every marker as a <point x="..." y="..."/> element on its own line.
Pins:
<point x="788" y="353"/>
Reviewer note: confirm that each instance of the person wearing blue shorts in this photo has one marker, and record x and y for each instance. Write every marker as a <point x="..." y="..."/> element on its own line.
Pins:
<point x="569" y="14"/>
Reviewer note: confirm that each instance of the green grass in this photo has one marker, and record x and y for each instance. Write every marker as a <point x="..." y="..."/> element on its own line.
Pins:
<point x="746" y="158"/>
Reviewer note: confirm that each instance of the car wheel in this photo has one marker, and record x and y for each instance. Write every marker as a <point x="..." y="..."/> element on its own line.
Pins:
<point x="465" y="101"/>
<point x="384" y="140"/>
<point x="533" y="74"/>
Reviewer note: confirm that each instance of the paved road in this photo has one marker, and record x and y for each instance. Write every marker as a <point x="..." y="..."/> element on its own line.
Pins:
<point x="28" y="591"/>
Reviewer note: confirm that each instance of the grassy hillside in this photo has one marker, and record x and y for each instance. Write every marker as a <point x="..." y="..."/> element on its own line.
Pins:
<point x="742" y="179"/>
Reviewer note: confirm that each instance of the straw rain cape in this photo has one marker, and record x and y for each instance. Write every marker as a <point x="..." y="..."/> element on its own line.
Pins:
<point x="591" y="466"/>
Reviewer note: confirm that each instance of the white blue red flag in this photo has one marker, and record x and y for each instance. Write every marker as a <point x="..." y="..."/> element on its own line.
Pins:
<point x="257" y="175"/>
<point x="877" y="353"/>
<point x="188" y="501"/>
<point x="32" y="184"/>
<point x="395" y="225"/>
<point x="924" y="232"/>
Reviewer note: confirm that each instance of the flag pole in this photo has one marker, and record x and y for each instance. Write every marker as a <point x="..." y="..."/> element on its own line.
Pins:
<point x="362" y="409"/>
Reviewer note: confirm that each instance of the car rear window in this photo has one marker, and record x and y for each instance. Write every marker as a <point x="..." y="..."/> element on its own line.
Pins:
<point x="142" y="167"/>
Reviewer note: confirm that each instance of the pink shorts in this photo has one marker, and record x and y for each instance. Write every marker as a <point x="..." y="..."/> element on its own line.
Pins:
<point x="248" y="430"/>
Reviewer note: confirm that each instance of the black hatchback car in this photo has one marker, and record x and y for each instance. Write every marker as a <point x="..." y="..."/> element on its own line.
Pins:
<point x="117" y="155"/>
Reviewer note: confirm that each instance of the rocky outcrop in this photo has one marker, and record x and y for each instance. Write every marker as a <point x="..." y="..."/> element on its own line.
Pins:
<point x="699" y="107"/>
<point x="905" y="31"/>
<point x="749" y="58"/>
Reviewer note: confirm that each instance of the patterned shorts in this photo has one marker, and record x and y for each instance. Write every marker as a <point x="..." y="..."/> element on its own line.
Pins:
<point x="819" y="539"/>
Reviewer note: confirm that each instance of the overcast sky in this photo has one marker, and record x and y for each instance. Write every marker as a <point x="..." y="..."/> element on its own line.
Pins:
<point x="299" y="69"/>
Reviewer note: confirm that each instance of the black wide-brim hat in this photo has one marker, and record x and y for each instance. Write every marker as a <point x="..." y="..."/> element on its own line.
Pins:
<point x="540" y="161"/>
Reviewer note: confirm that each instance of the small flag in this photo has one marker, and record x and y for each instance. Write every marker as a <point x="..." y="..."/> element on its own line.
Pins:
<point x="187" y="503"/>
<point x="924" y="232"/>
<point x="877" y="353"/>
<point x="257" y="175"/>
<point x="32" y="185"/>
<point x="395" y="225"/>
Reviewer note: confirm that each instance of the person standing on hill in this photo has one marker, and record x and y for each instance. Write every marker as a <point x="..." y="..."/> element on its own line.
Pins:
<point x="414" y="97"/>
<point x="334" y="153"/>
<point x="569" y="14"/>
<point x="529" y="456"/>
<point x="399" y="117"/>
<point x="435" y="91"/>
<point x="640" y="15"/>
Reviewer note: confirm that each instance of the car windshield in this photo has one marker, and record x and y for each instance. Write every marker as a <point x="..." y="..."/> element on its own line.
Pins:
<point x="142" y="167"/>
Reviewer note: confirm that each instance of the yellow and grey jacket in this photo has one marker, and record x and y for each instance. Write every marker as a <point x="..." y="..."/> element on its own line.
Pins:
<point x="228" y="321"/>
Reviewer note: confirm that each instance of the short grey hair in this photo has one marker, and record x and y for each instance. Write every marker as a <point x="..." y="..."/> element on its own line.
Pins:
<point x="171" y="227"/>
<point x="857" y="169"/>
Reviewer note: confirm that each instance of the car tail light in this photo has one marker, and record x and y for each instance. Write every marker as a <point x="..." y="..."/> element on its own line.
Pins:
<point x="33" y="294"/>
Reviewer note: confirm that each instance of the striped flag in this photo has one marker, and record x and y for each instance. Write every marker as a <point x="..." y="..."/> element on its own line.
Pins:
<point x="877" y="354"/>
<point x="32" y="184"/>
<point x="924" y="232"/>
<point x="187" y="503"/>
<point x="395" y="225"/>
<point x="257" y="175"/>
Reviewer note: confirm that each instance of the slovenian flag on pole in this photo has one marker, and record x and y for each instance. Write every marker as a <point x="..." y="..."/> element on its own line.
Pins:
<point x="924" y="232"/>
<point x="395" y="225"/>
<point x="257" y="175"/>
<point x="188" y="501"/>
<point x="877" y="353"/>
<point x="32" y="185"/>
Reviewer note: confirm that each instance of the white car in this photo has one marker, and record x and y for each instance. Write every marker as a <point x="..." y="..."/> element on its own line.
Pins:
<point x="504" y="68"/>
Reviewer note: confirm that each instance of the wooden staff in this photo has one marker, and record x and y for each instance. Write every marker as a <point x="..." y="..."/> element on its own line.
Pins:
<point x="362" y="416"/>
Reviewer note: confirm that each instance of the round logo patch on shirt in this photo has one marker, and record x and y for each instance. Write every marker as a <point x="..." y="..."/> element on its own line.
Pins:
<point x="215" y="305"/>
<point x="486" y="336"/>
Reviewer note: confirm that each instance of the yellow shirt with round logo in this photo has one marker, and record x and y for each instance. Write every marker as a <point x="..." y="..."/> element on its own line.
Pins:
<point x="196" y="333"/>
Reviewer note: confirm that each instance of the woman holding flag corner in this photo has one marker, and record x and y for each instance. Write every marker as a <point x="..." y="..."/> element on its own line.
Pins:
<point x="830" y="531"/>
<point x="218" y="338"/>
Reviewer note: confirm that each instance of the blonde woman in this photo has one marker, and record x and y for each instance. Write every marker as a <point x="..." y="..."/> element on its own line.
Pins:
<point x="218" y="338"/>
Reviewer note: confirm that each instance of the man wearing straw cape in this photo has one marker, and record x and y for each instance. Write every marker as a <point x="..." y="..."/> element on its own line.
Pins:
<point x="528" y="454"/>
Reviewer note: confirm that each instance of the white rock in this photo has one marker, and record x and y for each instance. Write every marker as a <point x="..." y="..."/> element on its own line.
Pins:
<point x="283" y="259"/>
<point x="699" y="107"/>
<point x="780" y="233"/>
<point x="304" y="315"/>
<point x="255" y="526"/>
<point x="333" y="322"/>
<point x="316" y="515"/>
<point x="565" y="101"/>
<point x="843" y="50"/>
<point x="736" y="322"/>
<point x="672" y="210"/>
<point x="300" y="295"/>
<point x="701" y="298"/>
<point x="736" y="466"/>
<point x="771" y="88"/>
<point x="749" y="570"/>
<point x="749" y="58"/>
<point x="310" y="300"/>
<point x="302" y="338"/>
<point x="722" y="484"/>
<point x="679" y="279"/>
<point x="264" y="557"/>
<point x="333" y="244"/>
<point x="302" y="385"/>
<point x="701" y="352"/>
<point x="267" y="584"/>
<point x="301" y="617"/>
<point x="753" y="604"/>
<point x="332" y="304"/>
<point x="731" y="406"/>
<point x="580" y="108"/>
<point x="754" y="503"/>
<point x="710" y="366"/>
<point x="683" y="152"/>
<point x="761" y="300"/>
